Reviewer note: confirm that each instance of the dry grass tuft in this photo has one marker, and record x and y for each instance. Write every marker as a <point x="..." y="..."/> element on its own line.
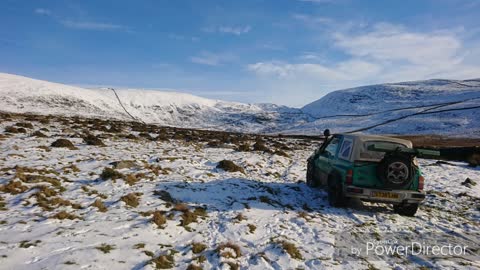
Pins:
<point x="164" y="196"/>
<point x="99" y="204"/>
<point x="187" y="218"/>
<point x="51" y="204"/>
<point x="65" y="215"/>
<point x="149" y="253"/>
<point x="198" y="247"/>
<point x="239" y="217"/>
<point x="165" y="261"/>
<point x="93" y="140"/>
<point x="229" y="166"/>
<point x="2" y="204"/>
<point x="194" y="267"/>
<point x="70" y="169"/>
<point x="27" y="243"/>
<point x="243" y="148"/>
<point x="304" y="215"/>
<point x="200" y="259"/>
<point x="251" y="228"/>
<point x="39" y="134"/>
<point x="11" y="129"/>
<point x="63" y="143"/>
<point x="260" y="146"/>
<point x="105" y="248"/>
<point x="45" y="148"/>
<point x="291" y="249"/>
<point x="281" y="153"/>
<point x="109" y="173"/>
<point x="139" y="246"/>
<point x="24" y="125"/>
<point x="13" y="187"/>
<point x="130" y="179"/>
<point x="200" y="211"/>
<point x="181" y="207"/>
<point x="131" y="199"/>
<point x="225" y="250"/>
<point x="159" y="218"/>
<point x="232" y="265"/>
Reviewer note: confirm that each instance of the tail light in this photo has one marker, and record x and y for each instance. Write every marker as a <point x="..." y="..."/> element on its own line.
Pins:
<point x="349" y="177"/>
<point x="421" y="181"/>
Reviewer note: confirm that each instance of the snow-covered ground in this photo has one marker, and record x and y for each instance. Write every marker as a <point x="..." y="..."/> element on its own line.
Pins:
<point x="423" y="107"/>
<point x="264" y="218"/>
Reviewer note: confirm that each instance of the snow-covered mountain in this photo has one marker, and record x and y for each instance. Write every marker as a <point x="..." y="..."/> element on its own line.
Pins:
<point x="422" y="107"/>
<point x="21" y="94"/>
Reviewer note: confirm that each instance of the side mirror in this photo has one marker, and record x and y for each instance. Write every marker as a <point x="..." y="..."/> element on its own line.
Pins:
<point x="326" y="133"/>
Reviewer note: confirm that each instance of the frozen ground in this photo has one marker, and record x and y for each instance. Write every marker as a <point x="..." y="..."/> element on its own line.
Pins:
<point x="264" y="218"/>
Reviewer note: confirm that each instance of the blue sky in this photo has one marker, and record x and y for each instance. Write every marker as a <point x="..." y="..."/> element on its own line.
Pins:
<point x="289" y="52"/>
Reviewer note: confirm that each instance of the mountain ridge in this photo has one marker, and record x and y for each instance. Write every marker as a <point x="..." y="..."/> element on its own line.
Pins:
<point x="434" y="106"/>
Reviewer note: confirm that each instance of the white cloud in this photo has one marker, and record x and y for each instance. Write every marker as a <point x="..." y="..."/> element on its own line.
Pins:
<point x="384" y="53"/>
<point x="212" y="59"/>
<point x="98" y="26"/>
<point x="235" y="30"/>
<point x="311" y="19"/>
<point x="393" y="43"/>
<point x="181" y="37"/>
<point x="42" y="11"/>
<point x="347" y="71"/>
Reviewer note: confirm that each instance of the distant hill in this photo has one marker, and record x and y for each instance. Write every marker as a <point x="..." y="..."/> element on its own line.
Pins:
<point x="421" y="107"/>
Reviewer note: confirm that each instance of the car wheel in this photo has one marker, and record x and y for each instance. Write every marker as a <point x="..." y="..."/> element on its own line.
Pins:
<point x="336" y="197"/>
<point x="395" y="171"/>
<point x="408" y="210"/>
<point x="311" y="175"/>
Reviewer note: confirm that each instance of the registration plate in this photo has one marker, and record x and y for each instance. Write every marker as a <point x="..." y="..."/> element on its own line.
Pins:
<point x="386" y="195"/>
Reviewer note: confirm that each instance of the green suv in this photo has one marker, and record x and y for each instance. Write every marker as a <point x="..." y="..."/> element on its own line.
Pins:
<point x="371" y="168"/>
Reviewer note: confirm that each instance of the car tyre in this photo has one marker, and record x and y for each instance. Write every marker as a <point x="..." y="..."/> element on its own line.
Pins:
<point x="312" y="179"/>
<point x="396" y="171"/>
<point x="336" y="197"/>
<point x="408" y="210"/>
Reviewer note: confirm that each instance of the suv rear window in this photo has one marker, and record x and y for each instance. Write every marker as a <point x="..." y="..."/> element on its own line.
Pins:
<point x="374" y="155"/>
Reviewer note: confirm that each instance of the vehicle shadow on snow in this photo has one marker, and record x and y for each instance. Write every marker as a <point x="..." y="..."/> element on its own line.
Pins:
<point x="234" y="194"/>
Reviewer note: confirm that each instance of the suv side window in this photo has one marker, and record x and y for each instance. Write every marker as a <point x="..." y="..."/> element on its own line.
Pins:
<point x="346" y="149"/>
<point x="331" y="148"/>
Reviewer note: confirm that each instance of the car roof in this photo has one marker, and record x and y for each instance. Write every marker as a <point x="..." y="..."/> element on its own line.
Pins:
<point x="366" y="138"/>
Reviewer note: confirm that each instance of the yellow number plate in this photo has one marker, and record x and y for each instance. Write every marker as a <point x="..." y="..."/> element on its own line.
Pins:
<point x="386" y="195"/>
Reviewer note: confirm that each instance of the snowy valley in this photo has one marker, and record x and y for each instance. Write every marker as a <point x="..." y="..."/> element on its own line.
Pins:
<point x="84" y="186"/>
<point x="146" y="197"/>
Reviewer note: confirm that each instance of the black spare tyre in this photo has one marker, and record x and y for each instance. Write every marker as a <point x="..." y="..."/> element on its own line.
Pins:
<point x="395" y="170"/>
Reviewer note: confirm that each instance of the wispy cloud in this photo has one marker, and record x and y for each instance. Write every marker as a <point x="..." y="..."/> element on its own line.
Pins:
<point x="382" y="53"/>
<point x="311" y="19"/>
<point x="42" y="11"/>
<point x="346" y="71"/>
<point x="317" y="1"/>
<point x="235" y="30"/>
<point x="394" y="43"/>
<point x="212" y="59"/>
<point x="181" y="37"/>
<point x="97" y="26"/>
<point x="82" y="24"/>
